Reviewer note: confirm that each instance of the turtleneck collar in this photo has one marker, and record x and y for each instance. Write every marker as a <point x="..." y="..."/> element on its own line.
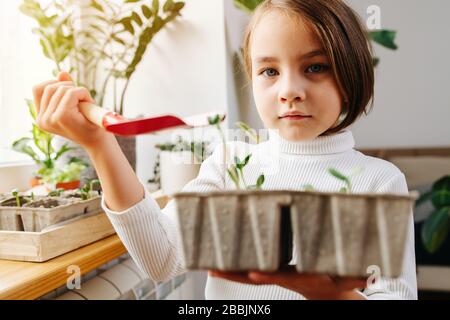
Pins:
<point x="336" y="143"/>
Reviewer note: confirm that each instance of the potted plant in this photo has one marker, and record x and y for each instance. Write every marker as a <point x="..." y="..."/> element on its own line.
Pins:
<point x="178" y="163"/>
<point x="105" y="52"/>
<point x="40" y="149"/>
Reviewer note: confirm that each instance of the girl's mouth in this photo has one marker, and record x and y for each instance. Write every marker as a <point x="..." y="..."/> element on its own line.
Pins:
<point x="295" y="117"/>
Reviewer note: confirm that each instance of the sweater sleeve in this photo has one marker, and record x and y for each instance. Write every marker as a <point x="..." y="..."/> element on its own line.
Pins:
<point x="405" y="286"/>
<point x="151" y="235"/>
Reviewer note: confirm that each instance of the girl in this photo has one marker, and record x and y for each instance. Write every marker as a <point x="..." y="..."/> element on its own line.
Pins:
<point x="312" y="76"/>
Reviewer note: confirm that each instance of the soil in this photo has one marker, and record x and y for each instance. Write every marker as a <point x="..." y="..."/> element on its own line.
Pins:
<point x="11" y="202"/>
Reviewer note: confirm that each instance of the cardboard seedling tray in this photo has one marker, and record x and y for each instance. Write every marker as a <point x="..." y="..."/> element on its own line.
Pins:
<point x="327" y="233"/>
<point x="33" y="218"/>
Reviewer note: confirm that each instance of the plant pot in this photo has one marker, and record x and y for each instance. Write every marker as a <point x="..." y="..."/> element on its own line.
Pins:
<point x="334" y="233"/>
<point x="176" y="170"/>
<point x="40" y="214"/>
<point x="232" y="231"/>
<point x="35" y="181"/>
<point x="36" y="215"/>
<point x="71" y="185"/>
<point x="10" y="219"/>
<point x="128" y="146"/>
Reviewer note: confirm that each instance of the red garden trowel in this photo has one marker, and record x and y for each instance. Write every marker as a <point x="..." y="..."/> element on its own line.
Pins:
<point x="122" y="126"/>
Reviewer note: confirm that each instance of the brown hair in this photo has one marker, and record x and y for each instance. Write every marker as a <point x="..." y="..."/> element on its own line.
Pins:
<point x="345" y="41"/>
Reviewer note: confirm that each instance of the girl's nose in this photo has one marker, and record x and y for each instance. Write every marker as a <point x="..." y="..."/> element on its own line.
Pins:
<point x="292" y="91"/>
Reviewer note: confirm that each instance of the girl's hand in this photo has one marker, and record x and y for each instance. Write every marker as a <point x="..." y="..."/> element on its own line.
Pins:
<point x="57" y="110"/>
<point x="312" y="287"/>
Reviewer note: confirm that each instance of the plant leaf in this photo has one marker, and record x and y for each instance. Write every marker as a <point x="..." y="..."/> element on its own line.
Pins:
<point x="136" y="18"/>
<point x="31" y="108"/>
<point x="146" y="11"/>
<point x="247" y="5"/>
<point x="386" y="38"/>
<point x="435" y="229"/>
<point x="260" y="181"/>
<point x="246" y="160"/>
<point x="22" y="146"/>
<point x="441" y="192"/>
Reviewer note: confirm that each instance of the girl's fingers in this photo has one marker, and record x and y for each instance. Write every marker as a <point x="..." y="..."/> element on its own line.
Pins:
<point x="55" y="100"/>
<point x="72" y="97"/>
<point x="64" y="76"/>
<point x="49" y="91"/>
<point x="38" y="91"/>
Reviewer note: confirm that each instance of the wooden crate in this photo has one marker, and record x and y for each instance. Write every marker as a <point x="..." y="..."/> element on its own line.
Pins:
<point x="55" y="240"/>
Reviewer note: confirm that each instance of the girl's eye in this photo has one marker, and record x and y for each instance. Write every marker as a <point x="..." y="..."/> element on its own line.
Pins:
<point x="317" y="68"/>
<point x="270" y="72"/>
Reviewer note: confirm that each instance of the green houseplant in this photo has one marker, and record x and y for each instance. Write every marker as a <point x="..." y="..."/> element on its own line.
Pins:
<point x="101" y="43"/>
<point x="43" y="153"/>
<point x="436" y="227"/>
<point x="109" y="46"/>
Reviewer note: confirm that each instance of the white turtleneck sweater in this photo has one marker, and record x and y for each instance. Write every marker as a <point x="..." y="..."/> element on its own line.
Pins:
<point x="152" y="237"/>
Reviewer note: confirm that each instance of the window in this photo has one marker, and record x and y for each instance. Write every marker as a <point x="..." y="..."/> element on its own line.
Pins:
<point x="22" y="65"/>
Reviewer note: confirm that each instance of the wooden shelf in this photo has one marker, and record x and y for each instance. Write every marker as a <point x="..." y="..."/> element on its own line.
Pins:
<point x="31" y="280"/>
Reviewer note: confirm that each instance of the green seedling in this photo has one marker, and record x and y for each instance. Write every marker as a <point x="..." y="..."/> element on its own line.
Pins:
<point x="250" y="132"/>
<point x="85" y="191"/>
<point x="56" y="193"/>
<point x="15" y="194"/>
<point x="235" y="171"/>
<point x="346" y="179"/>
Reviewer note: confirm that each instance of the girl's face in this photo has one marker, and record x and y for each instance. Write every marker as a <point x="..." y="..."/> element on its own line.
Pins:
<point x="293" y="84"/>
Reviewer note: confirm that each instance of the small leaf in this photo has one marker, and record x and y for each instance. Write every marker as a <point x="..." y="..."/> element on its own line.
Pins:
<point x="214" y="120"/>
<point x="137" y="18"/>
<point x="386" y="38"/>
<point x="146" y="11"/>
<point x="308" y="187"/>
<point x="343" y="190"/>
<point x="168" y="6"/>
<point x="260" y="181"/>
<point x="97" y="6"/>
<point x="247" y="5"/>
<point x="247" y="158"/>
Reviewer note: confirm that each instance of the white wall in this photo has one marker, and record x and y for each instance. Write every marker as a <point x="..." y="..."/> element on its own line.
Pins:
<point x="412" y="100"/>
<point x="183" y="72"/>
<point x="22" y="65"/>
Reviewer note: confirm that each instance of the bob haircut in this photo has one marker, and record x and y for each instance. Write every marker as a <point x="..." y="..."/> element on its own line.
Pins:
<point x="345" y="42"/>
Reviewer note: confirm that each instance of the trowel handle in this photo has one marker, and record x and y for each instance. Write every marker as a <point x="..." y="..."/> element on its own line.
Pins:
<point x="100" y="116"/>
